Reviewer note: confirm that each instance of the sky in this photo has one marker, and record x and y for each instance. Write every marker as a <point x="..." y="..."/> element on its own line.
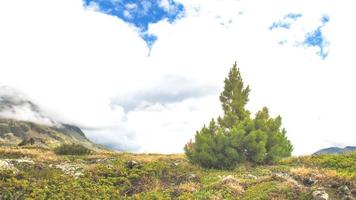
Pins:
<point x="144" y="76"/>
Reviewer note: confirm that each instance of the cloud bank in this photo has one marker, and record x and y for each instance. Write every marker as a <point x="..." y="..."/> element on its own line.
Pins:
<point x="92" y="69"/>
<point x="15" y="105"/>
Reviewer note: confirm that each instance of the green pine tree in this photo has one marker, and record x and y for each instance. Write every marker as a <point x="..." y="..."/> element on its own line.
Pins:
<point x="237" y="138"/>
<point x="234" y="99"/>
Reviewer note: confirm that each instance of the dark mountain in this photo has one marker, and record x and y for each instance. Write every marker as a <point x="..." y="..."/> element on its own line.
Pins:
<point x="335" y="150"/>
<point x="23" y="123"/>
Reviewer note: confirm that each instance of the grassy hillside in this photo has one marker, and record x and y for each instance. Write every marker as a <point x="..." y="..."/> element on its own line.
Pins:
<point x="32" y="173"/>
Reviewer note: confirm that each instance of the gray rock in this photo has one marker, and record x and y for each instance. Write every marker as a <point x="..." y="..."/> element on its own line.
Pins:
<point x="131" y="164"/>
<point x="194" y="178"/>
<point x="229" y="179"/>
<point x="10" y="164"/>
<point x="347" y="197"/>
<point x="320" y="194"/>
<point x="69" y="169"/>
<point x="175" y="164"/>
<point x="280" y="176"/>
<point x="353" y="192"/>
<point x="344" y="190"/>
<point x="309" y="181"/>
<point x="250" y="176"/>
<point x="334" y="184"/>
<point x="6" y="165"/>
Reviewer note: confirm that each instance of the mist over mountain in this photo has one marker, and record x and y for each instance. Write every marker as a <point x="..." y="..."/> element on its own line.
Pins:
<point x="24" y="123"/>
<point x="15" y="105"/>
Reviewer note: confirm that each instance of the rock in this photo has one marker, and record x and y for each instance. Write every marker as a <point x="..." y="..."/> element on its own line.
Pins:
<point x="24" y="160"/>
<point x="250" y="176"/>
<point x="70" y="169"/>
<point x="347" y="197"/>
<point x="334" y="184"/>
<point x="285" y="177"/>
<point x="343" y="190"/>
<point x="228" y="179"/>
<point x="102" y="160"/>
<point x="25" y="142"/>
<point x="353" y="192"/>
<point x="175" y="164"/>
<point x="232" y="184"/>
<point x="193" y="178"/>
<point x="6" y="165"/>
<point x="280" y="176"/>
<point x="309" y="181"/>
<point x="320" y="194"/>
<point x="77" y="174"/>
<point x="40" y="166"/>
<point x="131" y="164"/>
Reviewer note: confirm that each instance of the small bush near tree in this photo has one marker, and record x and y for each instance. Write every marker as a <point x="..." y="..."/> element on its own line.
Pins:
<point x="72" y="149"/>
<point x="236" y="137"/>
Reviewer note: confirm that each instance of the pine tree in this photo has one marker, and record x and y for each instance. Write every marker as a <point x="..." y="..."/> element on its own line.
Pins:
<point x="237" y="138"/>
<point x="277" y="146"/>
<point x="234" y="99"/>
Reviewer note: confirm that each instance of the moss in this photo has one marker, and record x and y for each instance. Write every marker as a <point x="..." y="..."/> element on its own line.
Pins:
<point x="260" y="191"/>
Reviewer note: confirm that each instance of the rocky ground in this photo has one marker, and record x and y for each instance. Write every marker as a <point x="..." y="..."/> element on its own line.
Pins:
<point x="40" y="174"/>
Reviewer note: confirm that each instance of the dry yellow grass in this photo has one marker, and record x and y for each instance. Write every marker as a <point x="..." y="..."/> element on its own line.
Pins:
<point x="322" y="175"/>
<point x="314" y="172"/>
<point x="189" y="187"/>
<point x="36" y="154"/>
<point x="151" y="157"/>
<point x="49" y="155"/>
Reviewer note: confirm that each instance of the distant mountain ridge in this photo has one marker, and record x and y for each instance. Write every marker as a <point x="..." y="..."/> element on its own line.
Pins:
<point x="335" y="150"/>
<point x="22" y="123"/>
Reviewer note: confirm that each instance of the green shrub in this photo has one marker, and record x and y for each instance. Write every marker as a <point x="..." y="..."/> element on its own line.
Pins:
<point x="72" y="149"/>
<point x="236" y="137"/>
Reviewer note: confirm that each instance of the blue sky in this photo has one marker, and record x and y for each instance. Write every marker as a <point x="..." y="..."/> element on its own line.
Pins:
<point x="317" y="39"/>
<point x="286" y="22"/>
<point x="314" y="38"/>
<point x="141" y="13"/>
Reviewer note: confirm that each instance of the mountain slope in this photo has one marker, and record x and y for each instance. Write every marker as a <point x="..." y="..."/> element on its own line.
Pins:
<point x="23" y="123"/>
<point x="335" y="150"/>
<point x="22" y="133"/>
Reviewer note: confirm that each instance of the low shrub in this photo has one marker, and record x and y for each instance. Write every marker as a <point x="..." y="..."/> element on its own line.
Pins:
<point x="72" y="149"/>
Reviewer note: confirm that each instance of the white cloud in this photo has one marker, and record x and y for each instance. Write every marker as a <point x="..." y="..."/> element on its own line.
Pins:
<point x="74" y="62"/>
<point x="164" y="4"/>
<point x="131" y="6"/>
<point x="15" y="105"/>
<point x="93" y="6"/>
<point x="127" y="14"/>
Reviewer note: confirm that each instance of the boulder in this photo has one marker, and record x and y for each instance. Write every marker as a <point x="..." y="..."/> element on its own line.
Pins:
<point x="250" y="176"/>
<point x="232" y="184"/>
<point x="309" y="181"/>
<point x="344" y="190"/>
<point x="131" y="164"/>
<point x="347" y="197"/>
<point x="320" y="194"/>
